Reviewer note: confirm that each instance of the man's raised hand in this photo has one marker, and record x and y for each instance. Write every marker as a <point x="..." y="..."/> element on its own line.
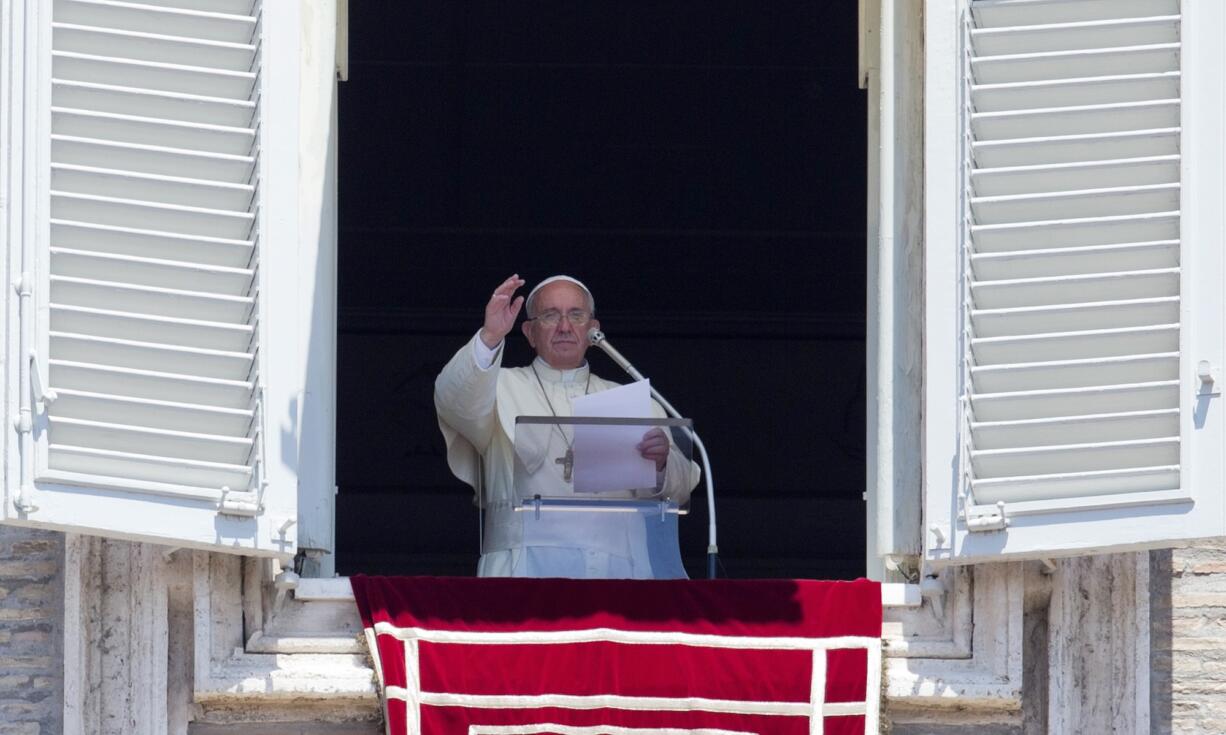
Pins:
<point x="501" y="311"/>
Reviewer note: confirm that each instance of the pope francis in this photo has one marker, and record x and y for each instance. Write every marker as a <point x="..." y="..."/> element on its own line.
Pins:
<point x="478" y="401"/>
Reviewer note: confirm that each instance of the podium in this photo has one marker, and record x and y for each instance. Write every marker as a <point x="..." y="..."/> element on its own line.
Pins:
<point x="582" y="482"/>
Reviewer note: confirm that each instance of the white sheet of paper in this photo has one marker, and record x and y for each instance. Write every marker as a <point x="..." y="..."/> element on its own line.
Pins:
<point x="605" y="456"/>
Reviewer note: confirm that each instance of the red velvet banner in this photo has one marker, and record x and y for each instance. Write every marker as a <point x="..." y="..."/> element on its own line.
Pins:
<point x="465" y="656"/>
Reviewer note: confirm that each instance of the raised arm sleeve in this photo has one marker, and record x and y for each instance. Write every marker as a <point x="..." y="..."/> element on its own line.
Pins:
<point x="484" y="355"/>
<point x="465" y="392"/>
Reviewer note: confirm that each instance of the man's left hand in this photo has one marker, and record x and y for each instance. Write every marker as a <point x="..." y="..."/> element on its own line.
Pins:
<point x="655" y="447"/>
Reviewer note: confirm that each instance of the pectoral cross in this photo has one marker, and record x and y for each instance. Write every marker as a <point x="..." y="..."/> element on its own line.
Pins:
<point x="568" y="463"/>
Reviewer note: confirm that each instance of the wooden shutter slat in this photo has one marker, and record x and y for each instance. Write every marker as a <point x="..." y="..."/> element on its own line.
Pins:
<point x="1084" y="120"/>
<point x="177" y="303"/>
<point x="998" y="13"/>
<point x="1071" y="485"/>
<point x="153" y="131"/>
<point x="1031" y="150"/>
<point x="1074" y="345"/>
<point x="1075" y="401"/>
<point x="1027" y="376"/>
<point x="1075" y="64"/>
<point x="143" y="242"/>
<point x="198" y="52"/>
<point x="156" y="105"/>
<point x="151" y="188"/>
<point x="1114" y="32"/>
<point x="152" y="356"/>
<point x="104" y="210"/>
<point x="1081" y="175"/>
<point x="1077" y="92"/>
<point x="1080" y="204"/>
<point x="1075" y="231"/>
<point x="227" y="7"/>
<point x="140" y="383"/>
<point x="101" y="154"/>
<point x="162" y="20"/>
<point x="1134" y="454"/>
<point x="163" y="474"/>
<point x="195" y="333"/>
<point x="158" y="442"/>
<point x="1065" y="430"/>
<point x="152" y="272"/>
<point x="200" y="81"/>
<point x="1080" y="288"/>
<point x="1073" y="261"/>
<point x="1075" y="317"/>
<point x="154" y="414"/>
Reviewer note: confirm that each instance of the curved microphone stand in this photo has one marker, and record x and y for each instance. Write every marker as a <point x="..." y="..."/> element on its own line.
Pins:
<point x="597" y="338"/>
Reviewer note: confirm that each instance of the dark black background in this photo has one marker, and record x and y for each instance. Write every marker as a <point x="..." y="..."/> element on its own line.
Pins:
<point x="700" y="165"/>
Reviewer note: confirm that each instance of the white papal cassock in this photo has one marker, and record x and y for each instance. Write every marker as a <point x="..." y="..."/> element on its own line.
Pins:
<point x="477" y="402"/>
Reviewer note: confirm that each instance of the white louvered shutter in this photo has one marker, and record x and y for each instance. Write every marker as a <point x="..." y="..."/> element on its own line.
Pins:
<point x="153" y="333"/>
<point x="1085" y="278"/>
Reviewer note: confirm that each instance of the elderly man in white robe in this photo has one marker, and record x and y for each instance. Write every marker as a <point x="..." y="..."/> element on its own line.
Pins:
<point x="478" y="401"/>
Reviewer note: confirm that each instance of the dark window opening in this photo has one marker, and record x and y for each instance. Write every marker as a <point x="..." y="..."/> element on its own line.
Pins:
<point x="700" y="165"/>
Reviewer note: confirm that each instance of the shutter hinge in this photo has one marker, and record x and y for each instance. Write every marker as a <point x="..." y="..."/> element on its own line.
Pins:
<point x="987" y="520"/>
<point x="239" y="503"/>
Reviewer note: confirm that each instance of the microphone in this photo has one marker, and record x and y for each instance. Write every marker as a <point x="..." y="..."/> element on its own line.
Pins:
<point x="596" y="338"/>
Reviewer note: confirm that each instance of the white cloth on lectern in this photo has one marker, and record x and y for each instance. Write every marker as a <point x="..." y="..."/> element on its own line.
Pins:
<point x="477" y="402"/>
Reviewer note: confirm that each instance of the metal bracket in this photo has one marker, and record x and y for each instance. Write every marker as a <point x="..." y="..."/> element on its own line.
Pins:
<point x="285" y="582"/>
<point x="245" y="504"/>
<point x="933" y="589"/>
<point x="906" y="565"/>
<point x="24" y="506"/>
<point x="43" y="396"/>
<point x="1207" y="374"/>
<point x="280" y="530"/>
<point x="940" y="537"/>
<point x="982" y="521"/>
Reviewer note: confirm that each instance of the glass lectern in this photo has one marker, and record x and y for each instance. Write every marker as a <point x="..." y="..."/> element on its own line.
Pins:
<point x="584" y="481"/>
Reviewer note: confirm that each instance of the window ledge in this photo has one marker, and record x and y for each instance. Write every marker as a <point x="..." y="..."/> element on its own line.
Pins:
<point x="337" y="589"/>
<point x="935" y="655"/>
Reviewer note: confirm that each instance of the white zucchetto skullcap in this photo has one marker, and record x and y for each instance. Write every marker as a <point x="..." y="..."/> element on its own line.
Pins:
<point x="553" y="279"/>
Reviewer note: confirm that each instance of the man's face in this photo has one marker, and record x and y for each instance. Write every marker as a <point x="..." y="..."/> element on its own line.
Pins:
<point x="561" y="345"/>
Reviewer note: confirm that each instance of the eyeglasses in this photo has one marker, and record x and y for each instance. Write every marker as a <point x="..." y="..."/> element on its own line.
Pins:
<point x="577" y="317"/>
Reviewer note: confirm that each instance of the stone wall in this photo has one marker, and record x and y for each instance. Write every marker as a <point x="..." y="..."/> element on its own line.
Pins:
<point x="31" y="631"/>
<point x="1187" y="644"/>
<point x="1188" y="639"/>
